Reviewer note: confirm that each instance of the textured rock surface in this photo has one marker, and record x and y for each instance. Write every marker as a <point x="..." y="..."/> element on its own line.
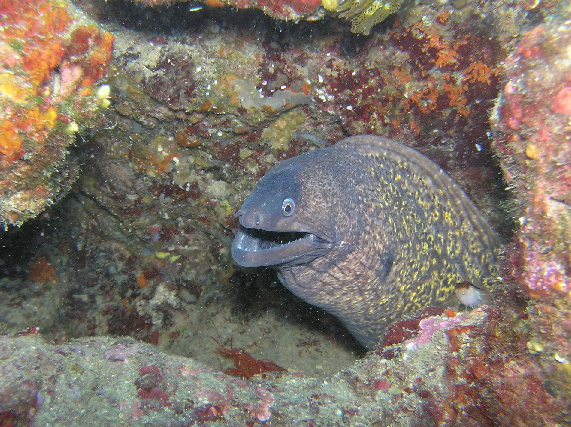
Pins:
<point x="532" y="119"/>
<point x="203" y="105"/>
<point x="52" y="57"/>
<point x="110" y="379"/>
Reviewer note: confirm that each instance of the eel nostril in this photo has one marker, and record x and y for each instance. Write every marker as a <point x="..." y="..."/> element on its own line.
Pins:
<point x="257" y="218"/>
<point x="251" y="219"/>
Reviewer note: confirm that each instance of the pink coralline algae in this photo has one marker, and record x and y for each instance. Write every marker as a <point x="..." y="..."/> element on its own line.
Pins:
<point x="532" y="118"/>
<point x="429" y="326"/>
<point x="261" y="411"/>
<point x="562" y="102"/>
<point x="533" y="125"/>
<point x="149" y="384"/>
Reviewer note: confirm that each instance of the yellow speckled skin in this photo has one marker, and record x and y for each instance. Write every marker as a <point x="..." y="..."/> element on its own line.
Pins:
<point x="403" y="232"/>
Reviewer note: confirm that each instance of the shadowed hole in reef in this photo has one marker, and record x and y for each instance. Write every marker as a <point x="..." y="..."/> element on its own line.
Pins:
<point x="18" y="247"/>
<point x="188" y="18"/>
<point x="97" y="292"/>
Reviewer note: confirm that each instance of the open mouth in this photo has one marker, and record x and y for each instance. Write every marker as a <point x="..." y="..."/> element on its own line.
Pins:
<point x="260" y="240"/>
<point x="257" y="248"/>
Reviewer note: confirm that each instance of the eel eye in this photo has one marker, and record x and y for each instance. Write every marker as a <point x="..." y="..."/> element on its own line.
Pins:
<point x="288" y="207"/>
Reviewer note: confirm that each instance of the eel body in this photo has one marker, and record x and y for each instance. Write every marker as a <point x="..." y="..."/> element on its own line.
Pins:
<point x="369" y="230"/>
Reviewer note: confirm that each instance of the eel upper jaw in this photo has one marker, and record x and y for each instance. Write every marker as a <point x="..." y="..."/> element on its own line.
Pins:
<point x="254" y="247"/>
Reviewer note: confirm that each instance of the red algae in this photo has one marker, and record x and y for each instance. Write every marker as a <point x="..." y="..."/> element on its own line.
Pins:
<point x="491" y="381"/>
<point x="42" y="271"/>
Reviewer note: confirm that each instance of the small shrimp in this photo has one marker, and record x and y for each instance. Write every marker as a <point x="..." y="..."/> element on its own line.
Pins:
<point x="245" y="366"/>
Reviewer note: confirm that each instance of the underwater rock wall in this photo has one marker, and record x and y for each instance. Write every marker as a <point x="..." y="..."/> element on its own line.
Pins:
<point x="51" y="60"/>
<point x="200" y="111"/>
<point x="532" y="121"/>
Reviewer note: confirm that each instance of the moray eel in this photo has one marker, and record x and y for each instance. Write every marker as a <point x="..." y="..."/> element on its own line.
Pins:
<point x="369" y="230"/>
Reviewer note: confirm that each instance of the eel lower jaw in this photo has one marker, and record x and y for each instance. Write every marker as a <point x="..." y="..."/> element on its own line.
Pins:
<point x="261" y="248"/>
